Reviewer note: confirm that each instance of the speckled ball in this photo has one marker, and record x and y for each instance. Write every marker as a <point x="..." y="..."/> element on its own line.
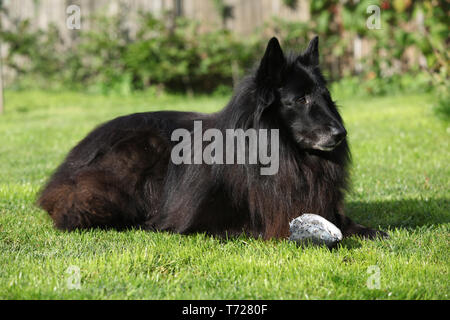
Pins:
<point x="315" y="229"/>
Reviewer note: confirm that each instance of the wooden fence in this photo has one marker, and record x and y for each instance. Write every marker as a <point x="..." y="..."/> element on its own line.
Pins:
<point x="244" y="15"/>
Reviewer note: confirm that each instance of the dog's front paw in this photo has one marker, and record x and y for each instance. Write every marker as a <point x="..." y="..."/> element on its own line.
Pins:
<point x="369" y="233"/>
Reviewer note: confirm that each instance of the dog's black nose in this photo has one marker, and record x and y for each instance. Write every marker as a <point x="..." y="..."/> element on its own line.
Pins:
<point x="338" y="133"/>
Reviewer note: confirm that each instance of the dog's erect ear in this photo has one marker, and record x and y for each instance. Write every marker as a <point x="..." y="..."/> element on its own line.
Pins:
<point x="311" y="54"/>
<point x="271" y="68"/>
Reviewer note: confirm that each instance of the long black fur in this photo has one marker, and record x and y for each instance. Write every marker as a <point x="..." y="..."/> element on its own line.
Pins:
<point x="121" y="176"/>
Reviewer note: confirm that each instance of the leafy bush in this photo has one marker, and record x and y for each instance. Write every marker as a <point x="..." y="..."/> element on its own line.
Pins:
<point x="33" y="51"/>
<point x="376" y="86"/>
<point x="174" y="54"/>
<point x="183" y="58"/>
<point x="105" y="58"/>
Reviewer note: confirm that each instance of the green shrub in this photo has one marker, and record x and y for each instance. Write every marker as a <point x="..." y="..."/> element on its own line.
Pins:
<point x="175" y="55"/>
<point x="31" y="51"/>
<point x="184" y="58"/>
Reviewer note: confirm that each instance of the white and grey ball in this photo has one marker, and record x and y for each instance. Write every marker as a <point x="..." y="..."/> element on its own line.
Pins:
<point x="315" y="229"/>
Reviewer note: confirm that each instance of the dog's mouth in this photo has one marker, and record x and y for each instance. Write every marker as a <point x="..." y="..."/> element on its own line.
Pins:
<point x="323" y="143"/>
<point x="327" y="147"/>
<point x="324" y="148"/>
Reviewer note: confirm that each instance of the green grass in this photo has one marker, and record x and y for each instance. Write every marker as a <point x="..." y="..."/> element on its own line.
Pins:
<point x="400" y="183"/>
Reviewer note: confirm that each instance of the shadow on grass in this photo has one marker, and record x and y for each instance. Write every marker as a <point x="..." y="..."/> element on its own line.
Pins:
<point x="405" y="214"/>
<point x="400" y="214"/>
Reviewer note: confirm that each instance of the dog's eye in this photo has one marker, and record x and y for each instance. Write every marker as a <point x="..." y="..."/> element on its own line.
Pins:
<point x="301" y="100"/>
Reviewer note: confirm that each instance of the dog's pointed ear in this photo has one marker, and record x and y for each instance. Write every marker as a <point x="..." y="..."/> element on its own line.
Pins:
<point x="311" y="54"/>
<point x="271" y="68"/>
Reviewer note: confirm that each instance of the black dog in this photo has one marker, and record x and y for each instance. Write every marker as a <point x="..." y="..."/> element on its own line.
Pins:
<point x="121" y="175"/>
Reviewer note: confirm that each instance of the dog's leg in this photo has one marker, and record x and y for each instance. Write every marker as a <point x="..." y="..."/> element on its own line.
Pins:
<point x="92" y="200"/>
<point x="349" y="228"/>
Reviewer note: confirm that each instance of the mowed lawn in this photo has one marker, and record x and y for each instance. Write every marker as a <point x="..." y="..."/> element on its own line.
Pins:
<point x="400" y="183"/>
